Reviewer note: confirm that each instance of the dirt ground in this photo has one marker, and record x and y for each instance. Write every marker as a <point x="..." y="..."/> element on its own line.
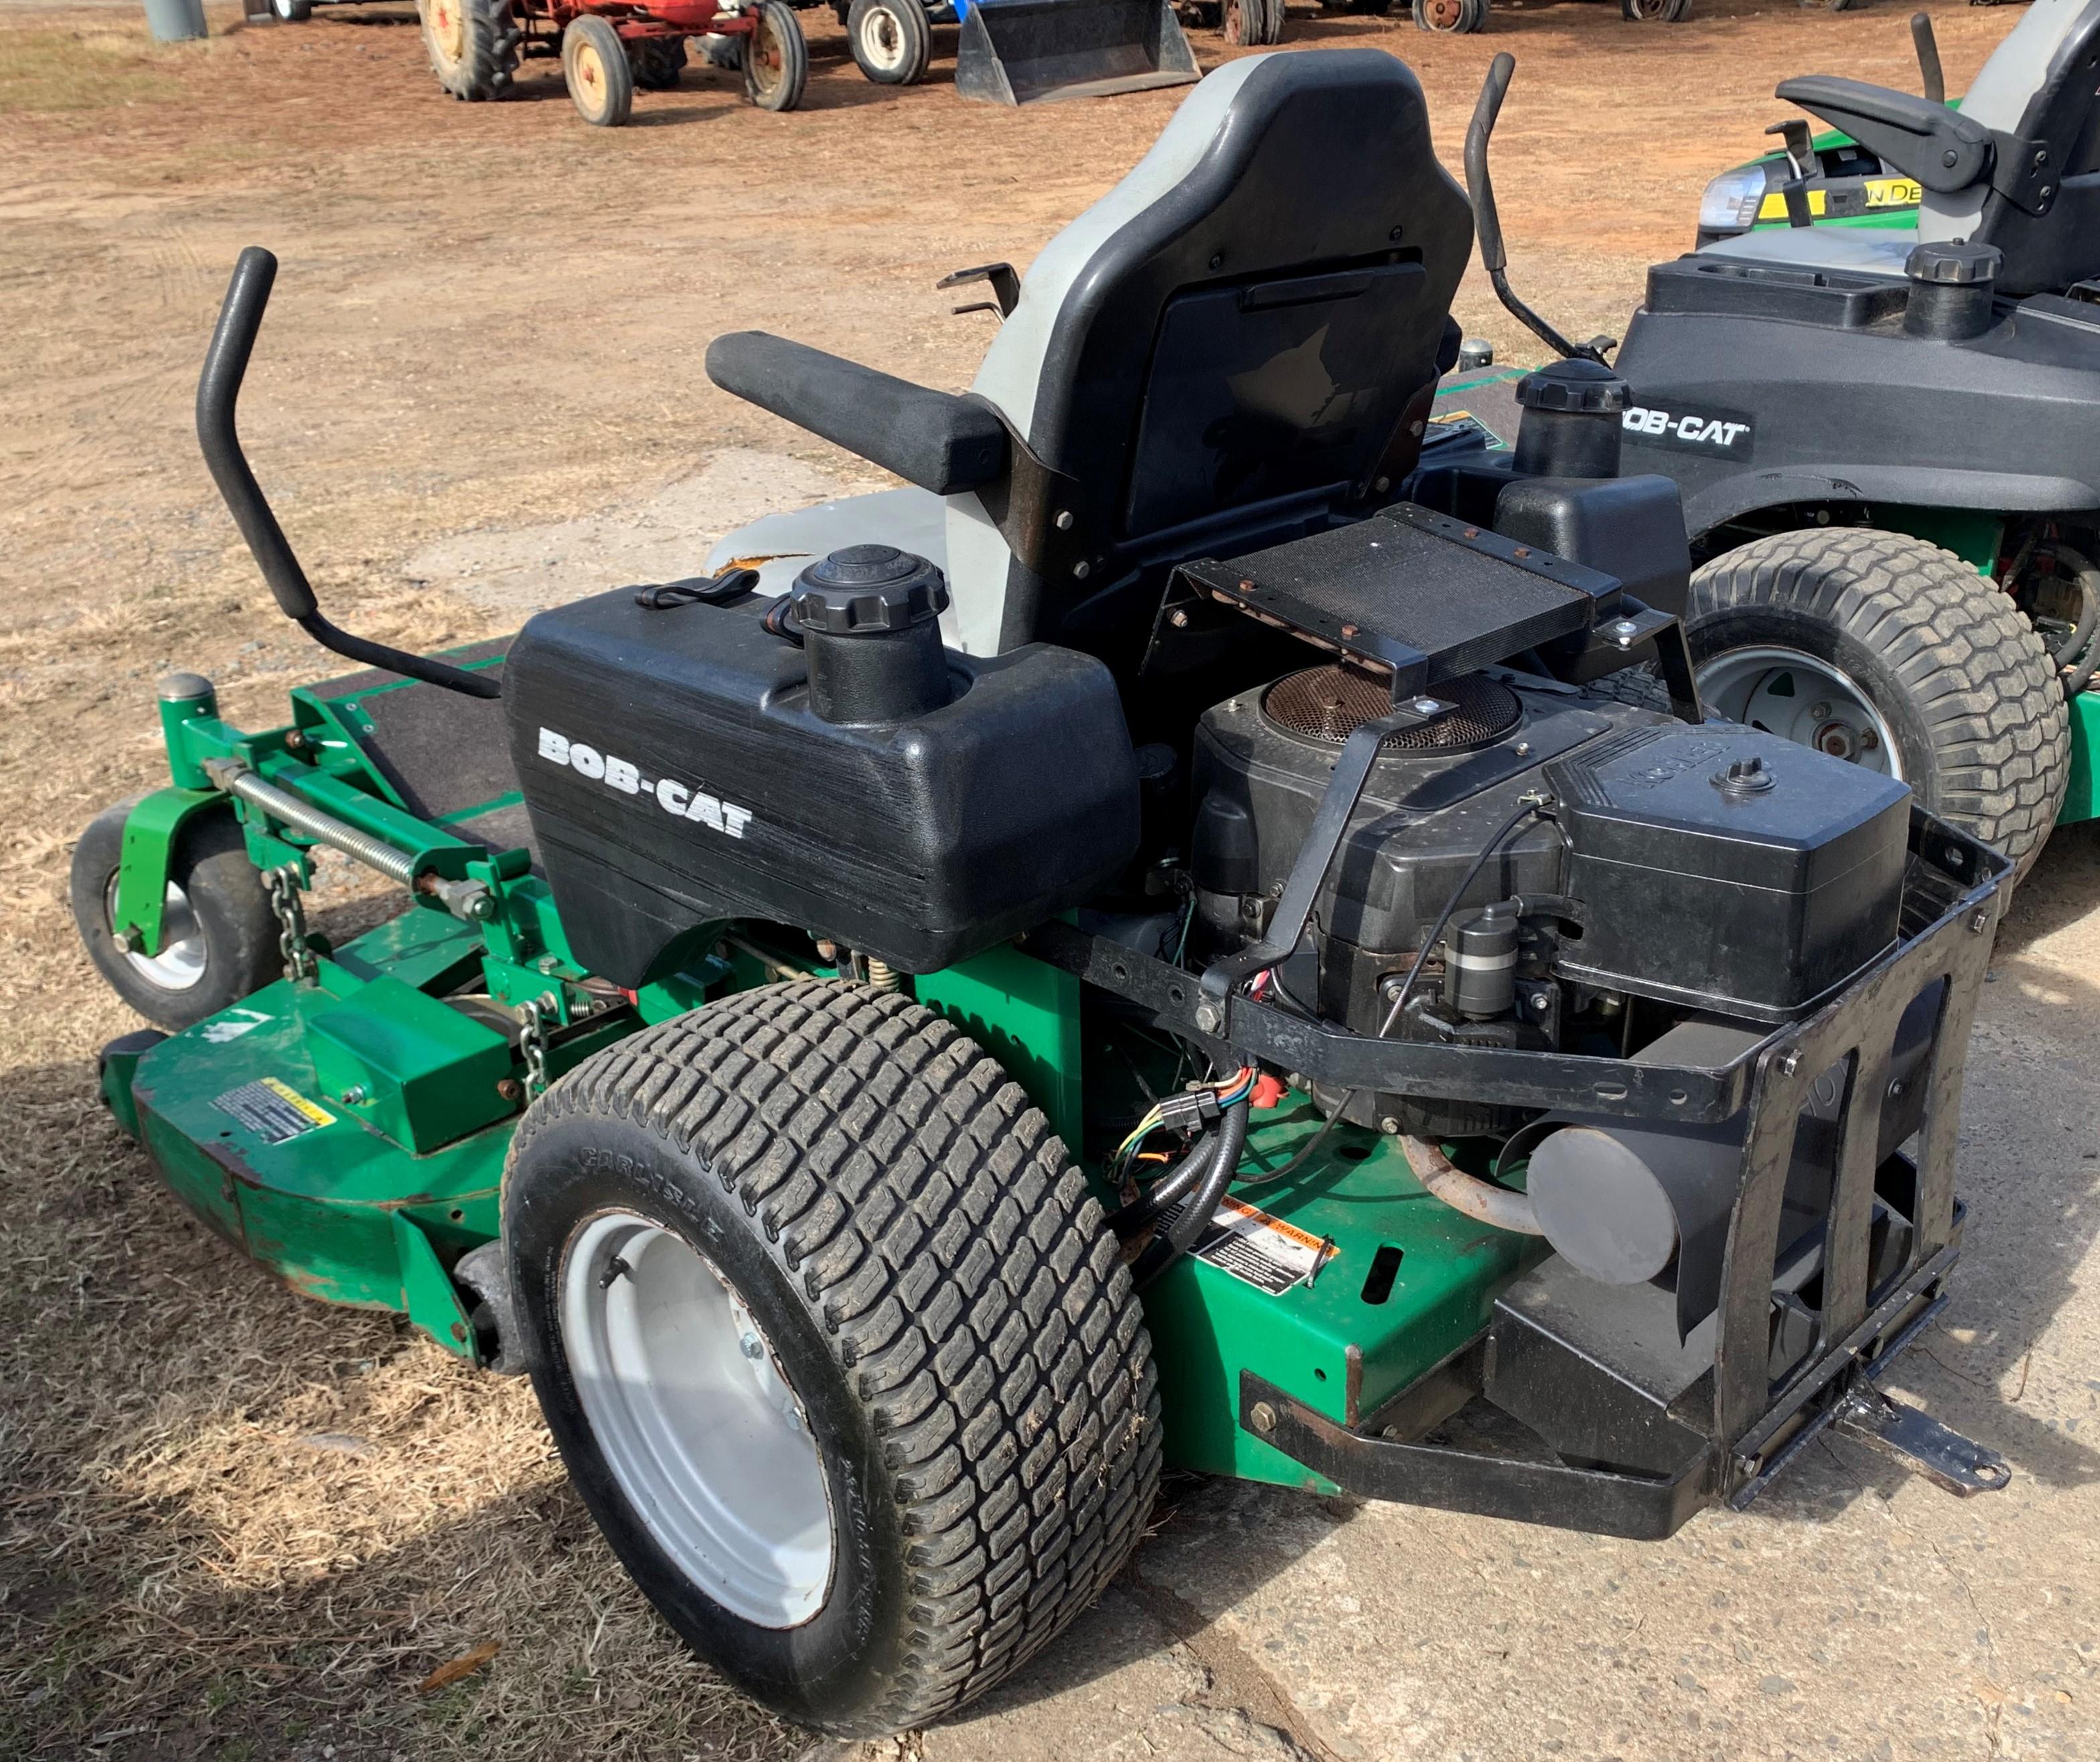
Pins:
<point x="235" y="1525"/>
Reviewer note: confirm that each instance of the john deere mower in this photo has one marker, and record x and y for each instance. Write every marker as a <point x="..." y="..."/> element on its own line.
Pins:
<point x="1145" y="946"/>
<point x="1886" y="439"/>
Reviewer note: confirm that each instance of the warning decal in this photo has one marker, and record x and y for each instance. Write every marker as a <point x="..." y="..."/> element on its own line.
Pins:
<point x="1258" y="1249"/>
<point x="272" y="1111"/>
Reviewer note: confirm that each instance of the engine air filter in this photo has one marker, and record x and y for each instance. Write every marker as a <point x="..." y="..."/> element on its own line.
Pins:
<point x="1330" y="703"/>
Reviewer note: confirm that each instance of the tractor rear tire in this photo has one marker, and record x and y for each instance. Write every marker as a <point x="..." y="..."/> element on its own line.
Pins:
<point x="892" y="43"/>
<point x="776" y="58"/>
<point x="1457" y="17"/>
<point x="903" y="1355"/>
<point x="659" y="63"/>
<point x="1250" y="24"/>
<point x="220" y="940"/>
<point x="473" y="46"/>
<point x="595" y="67"/>
<point x="1961" y="683"/>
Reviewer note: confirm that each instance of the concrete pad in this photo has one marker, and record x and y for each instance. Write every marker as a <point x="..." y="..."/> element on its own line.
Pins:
<point x="1855" y="1612"/>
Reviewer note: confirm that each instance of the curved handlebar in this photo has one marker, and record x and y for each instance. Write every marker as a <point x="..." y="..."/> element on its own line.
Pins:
<point x="1486" y="222"/>
<point x="218" y="394"/>
<point x="218" y="390"/>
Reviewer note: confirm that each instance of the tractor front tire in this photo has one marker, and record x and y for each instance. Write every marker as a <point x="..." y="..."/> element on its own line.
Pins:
<point x="837" y="1347"/>
<point x="776" y="58"/>
<point x="892" y="42"/>
<point x="1951" y="673"/>
<point x="1457" y="17"/>
<point x="1655" y="11"/>
<point x="219" y="939"/>
<point x="595" y="67"/>
<point x="291" y="12"/>
<point x="473" y="46"/>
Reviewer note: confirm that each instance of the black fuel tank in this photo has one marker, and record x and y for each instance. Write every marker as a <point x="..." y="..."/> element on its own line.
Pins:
<point x="676" y="774"/>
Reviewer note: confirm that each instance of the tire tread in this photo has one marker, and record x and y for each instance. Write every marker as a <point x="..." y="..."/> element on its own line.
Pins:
<point x="1021" y="1468"/>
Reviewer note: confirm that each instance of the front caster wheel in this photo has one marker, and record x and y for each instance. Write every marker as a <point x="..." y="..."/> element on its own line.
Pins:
<point x="836" y="1346"/>
<point x="218" y="936"/>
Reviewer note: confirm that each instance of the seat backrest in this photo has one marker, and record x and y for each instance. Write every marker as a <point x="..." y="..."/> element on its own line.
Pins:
<point x="2040" y="85"/>
<point x="1244" y="326"/>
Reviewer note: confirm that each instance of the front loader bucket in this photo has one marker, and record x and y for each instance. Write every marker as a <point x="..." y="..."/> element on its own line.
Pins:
<point x="1019" y="51"/>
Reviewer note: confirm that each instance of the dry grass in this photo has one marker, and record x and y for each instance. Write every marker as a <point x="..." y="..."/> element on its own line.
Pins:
<point x="238" y="1524"/>
<point x="94" y="69"/>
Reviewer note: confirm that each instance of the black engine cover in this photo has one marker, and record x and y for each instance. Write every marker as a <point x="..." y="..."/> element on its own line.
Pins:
<point x="677" y="776"/>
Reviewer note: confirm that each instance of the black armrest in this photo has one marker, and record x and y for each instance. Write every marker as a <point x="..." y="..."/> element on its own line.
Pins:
<point x="933" y="438"/>
<point x="1941" y="149"/>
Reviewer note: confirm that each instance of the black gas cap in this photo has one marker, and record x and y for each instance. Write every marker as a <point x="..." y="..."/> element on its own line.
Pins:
<point x="1952" y="290"/>
<point x="1570" y="428"/>
<point x="1574" y="385"/>
<point x="1745" y="777"/>
<point x="867" y="589"/>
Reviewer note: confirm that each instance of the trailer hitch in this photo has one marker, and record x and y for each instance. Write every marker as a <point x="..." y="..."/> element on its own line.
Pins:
<point x="1919" y="1442"/>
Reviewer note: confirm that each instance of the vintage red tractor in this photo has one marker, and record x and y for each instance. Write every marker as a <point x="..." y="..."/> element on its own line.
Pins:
<point x="609" y="47"/>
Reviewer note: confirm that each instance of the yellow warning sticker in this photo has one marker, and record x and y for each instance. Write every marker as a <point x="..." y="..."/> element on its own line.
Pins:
<point x="274" y="1111"/>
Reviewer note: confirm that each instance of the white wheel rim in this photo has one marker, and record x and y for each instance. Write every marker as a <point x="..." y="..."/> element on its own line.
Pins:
<point x="882" y="38"/>
<point x="180" y="964"/>
<point x="686" y="1399"/>
<point x="1801" y="699"/>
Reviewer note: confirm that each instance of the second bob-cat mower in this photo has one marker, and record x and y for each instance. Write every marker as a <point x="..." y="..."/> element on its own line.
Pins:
<point x="1144" y="947"/>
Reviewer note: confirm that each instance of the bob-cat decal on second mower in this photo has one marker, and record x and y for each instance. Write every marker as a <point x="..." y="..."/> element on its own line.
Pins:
<point x="679" y="800"/>
<point x="1702" y="430"/>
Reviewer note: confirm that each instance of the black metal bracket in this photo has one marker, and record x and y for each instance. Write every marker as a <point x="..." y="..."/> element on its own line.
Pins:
<point x="1294" y="909"/>
<point x="1000" y="277"/>
<point x="1539" y="1489"/>
<point x="1800" y="161"/>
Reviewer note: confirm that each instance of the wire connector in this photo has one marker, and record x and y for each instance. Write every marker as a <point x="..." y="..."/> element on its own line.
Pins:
<point x="1192" y="1108"/>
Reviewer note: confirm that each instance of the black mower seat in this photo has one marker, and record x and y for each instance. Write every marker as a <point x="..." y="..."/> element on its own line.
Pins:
<point x="443" y="754"/>
<point x="1244" y="333"/>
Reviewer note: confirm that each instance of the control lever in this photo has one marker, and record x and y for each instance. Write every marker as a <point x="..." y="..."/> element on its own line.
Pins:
<point x="1800" y="161"/>
<point x="1928" y="59"/>
<point x="218" y="392"/>
<point x="1488" y="223"/>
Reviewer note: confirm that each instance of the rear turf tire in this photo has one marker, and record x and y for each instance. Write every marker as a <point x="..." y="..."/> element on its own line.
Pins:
<point x="892" y="42"/>
<point x="911" y="1256"/>
<point x="222" y="942"/>
<point x="473" y="46"/>
<point x="599" y="76"/>
<point x="1959" y="677"/>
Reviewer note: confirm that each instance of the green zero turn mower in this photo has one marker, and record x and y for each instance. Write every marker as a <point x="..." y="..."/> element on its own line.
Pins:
<point x="1144" y="947"/>
<point x="1888" y="440"/>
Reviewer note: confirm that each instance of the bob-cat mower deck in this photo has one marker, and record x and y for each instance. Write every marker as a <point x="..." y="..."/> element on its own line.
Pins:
<point x="1144" y="947"/>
